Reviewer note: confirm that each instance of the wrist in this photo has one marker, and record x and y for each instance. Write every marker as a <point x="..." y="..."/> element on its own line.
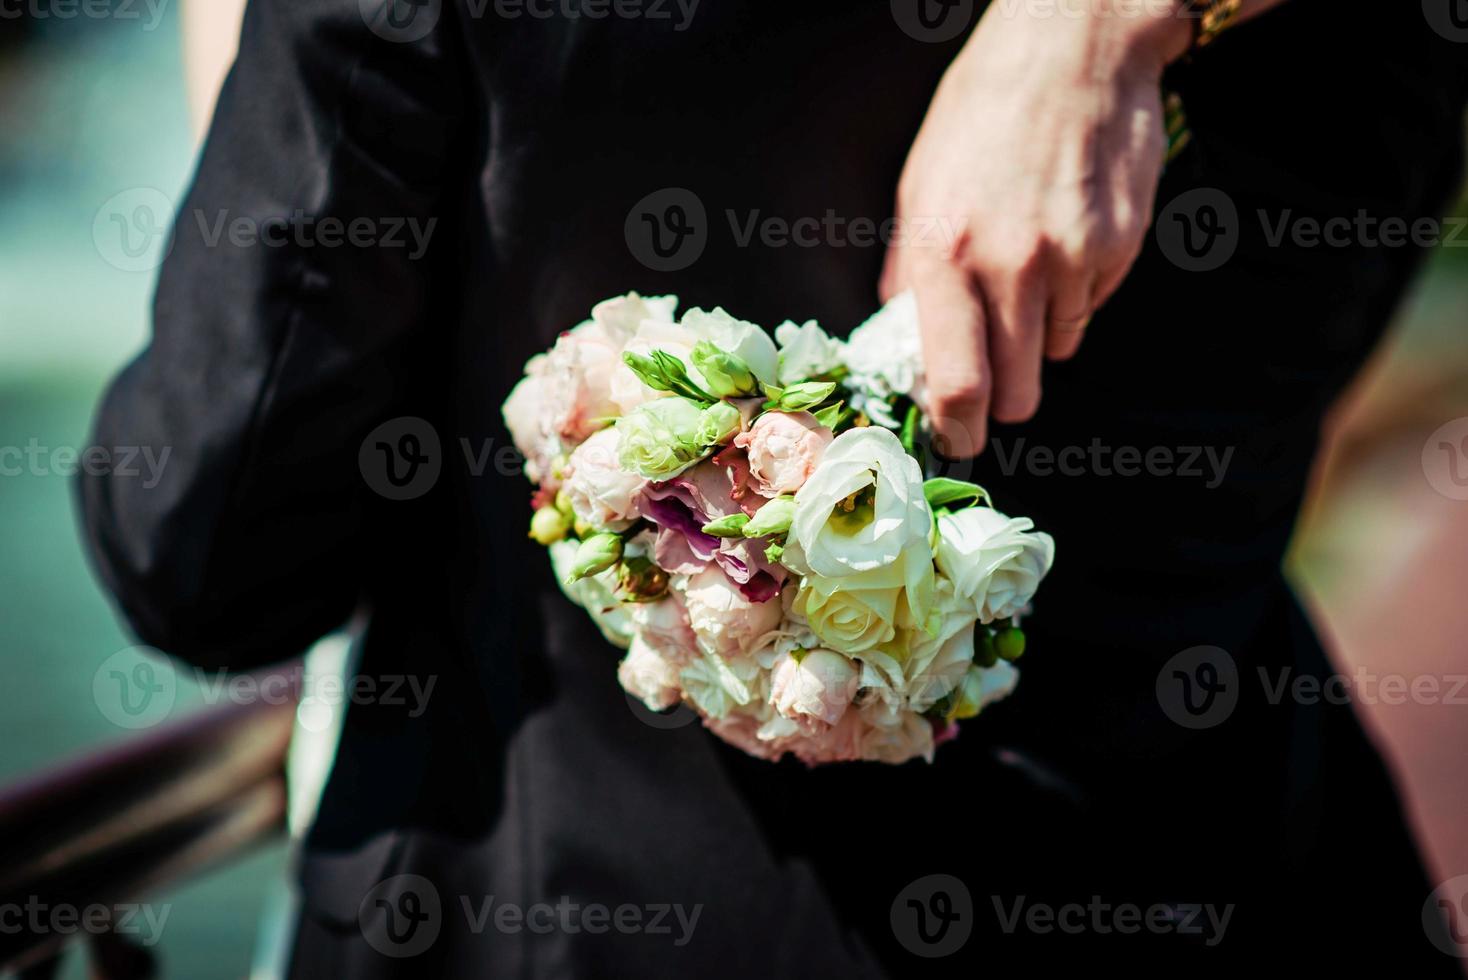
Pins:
<point x="1157" y="32"/>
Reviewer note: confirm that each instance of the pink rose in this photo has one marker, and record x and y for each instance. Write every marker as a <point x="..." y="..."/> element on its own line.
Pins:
<point x="601" y="493"/>
<point x="725" y="622"/>
<point x="649" y="676"/>
<point x="784" y="449"/>
<point x="578" y="373"/>
<point x="527" y="416"/>
<point x="814" y="690"/>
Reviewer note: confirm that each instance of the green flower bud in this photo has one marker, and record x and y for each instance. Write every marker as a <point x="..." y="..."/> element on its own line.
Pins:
<point x="639" y="580"/>
<point x="727" y="527"/>
<point x="801" y="397"/>
<point x="724" y="374"/>
<point x="720" y="423"/>
<point x="1010" y="642"/>
<point x="563" y="504"/>
<point x="773" y="518"/>
<point x="596" y="554"/>
<point x="548" y="526"/>
<point x="986" y="653"/>
<point x="660" y="439"/>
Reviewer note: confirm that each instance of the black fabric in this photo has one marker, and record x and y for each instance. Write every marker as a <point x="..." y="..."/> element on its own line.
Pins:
<point x="528" y="140"/>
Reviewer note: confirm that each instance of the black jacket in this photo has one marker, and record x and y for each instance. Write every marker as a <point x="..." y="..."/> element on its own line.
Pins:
<point x="537" y="155"/>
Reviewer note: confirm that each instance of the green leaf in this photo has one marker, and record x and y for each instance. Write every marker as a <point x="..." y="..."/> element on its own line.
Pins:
<point x="910" y="429"/>
<point x="830" y="416"/>
<point x="943" y="492"/>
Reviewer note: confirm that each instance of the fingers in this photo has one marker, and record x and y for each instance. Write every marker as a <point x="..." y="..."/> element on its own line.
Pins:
<point x="1016" y="338"/>
<point x="955" y="356"/>
<point x="894" y="279"/>
<point x="1069" y="314"/>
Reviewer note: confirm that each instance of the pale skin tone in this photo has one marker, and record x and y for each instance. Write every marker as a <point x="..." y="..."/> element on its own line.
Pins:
<point x="1040" y="157"/>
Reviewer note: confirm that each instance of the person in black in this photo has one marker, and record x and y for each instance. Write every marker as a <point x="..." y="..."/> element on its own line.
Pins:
<point x="545" y="153"/>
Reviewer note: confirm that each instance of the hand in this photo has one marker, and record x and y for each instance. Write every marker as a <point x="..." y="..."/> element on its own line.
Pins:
<point x="1025" y="200"/>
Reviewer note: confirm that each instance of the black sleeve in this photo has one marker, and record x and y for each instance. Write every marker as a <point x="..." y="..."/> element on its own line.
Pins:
<point x="297" y="275"/>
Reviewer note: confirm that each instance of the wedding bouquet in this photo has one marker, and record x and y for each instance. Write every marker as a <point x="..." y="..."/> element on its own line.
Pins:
<point x="748" y="518"/>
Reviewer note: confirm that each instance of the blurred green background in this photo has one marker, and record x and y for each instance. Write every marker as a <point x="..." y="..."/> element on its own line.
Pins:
<point x="88" y="108"/>
<point x="93" y="107"/>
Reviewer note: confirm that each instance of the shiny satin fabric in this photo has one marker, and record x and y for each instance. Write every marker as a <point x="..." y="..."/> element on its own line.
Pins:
<point x="525" y="143"/>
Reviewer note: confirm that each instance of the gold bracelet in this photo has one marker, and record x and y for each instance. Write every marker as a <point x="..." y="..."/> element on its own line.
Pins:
<point x="1213" y="18"/>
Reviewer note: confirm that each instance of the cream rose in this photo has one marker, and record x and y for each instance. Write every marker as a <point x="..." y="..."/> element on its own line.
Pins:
<point x="784" y="449"/>
<point x="994" y="561"/>
<point x="600" y="492"/>
<point x="851" y="614"/>
<point x="527" y="414"/>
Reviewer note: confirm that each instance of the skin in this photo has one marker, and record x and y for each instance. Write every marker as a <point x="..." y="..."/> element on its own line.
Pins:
<point x="1039" y="157"/>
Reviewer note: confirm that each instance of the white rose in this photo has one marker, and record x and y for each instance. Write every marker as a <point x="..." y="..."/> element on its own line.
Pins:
<point x="813" y="688"/>
<point x="993" y="560"/>
<point x="601" y="493"/>
<point x="622" y="316"/>
<point x="862" y="512"/>
<point x="594" y="593"/>
<point x="895" y="738"/>
<point x="648" y="676"/>
<point x="887" y="350"/>
<point x="745" y="340"/>
<point x="724" y="621"/>
<point x="936" y="663"/>
<point x="807" y="351"/>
